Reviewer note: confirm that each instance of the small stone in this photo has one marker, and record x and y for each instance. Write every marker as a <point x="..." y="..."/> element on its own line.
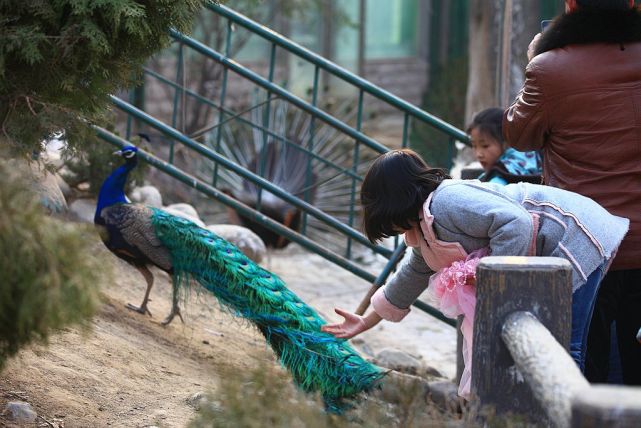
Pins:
<point x="206" y="342"/>
<point x="20" y="412"/>
<point x="147" y="195"/>
<point x="398" y="360"/>
<point x="185" y="211"/>
<point x="64" y="187"/>
<point x="160" y="414"/>
<point x="197" y="400"/>
<point x="83" y="210"/>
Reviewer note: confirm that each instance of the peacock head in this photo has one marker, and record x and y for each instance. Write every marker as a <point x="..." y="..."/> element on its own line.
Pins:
<point x="128" y="153"/>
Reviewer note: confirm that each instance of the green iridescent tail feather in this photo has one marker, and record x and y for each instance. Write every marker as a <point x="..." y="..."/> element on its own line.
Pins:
<point x="318" y="361"/>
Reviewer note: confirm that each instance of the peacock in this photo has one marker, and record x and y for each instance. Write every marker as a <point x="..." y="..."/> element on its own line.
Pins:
<point x="145" y="236"/>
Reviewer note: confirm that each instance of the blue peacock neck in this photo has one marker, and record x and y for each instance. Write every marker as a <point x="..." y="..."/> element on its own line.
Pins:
<point x="112" y="190"/>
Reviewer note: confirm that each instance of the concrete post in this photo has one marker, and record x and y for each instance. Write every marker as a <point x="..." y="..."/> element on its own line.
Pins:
<point x="607" y="406"/>
<point x="504" y="285"/>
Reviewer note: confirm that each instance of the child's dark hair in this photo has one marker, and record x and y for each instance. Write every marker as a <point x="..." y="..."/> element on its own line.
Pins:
<point x="490" y="122"/>
<point x="394" y="190"/>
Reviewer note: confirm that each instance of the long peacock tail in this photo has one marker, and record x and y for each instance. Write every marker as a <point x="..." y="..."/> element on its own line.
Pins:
<point x="318" y="361"/>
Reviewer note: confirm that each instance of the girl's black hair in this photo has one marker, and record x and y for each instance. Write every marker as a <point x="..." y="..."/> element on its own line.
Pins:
<point x="490" y="122"/>
<point x="394" y="190"/>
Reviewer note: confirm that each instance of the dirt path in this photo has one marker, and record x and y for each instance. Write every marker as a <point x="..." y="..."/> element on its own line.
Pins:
<point x="129" y="371"/>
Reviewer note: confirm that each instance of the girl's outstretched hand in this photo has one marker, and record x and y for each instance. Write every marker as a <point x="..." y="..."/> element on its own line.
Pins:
<point x="351" y="326"/>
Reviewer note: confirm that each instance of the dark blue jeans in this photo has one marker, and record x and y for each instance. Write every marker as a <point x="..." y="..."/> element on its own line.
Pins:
<point x="618" y="304"/>
<point x="583" y="300"/>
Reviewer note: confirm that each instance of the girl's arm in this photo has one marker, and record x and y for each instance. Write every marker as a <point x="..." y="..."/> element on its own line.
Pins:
<point x="404" y="287"/>
<point x="352" y="325"/>
<point x="390" y="302"/>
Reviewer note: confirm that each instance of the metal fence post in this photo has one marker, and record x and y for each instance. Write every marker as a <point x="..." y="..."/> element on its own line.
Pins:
<point x="539" y="285"/>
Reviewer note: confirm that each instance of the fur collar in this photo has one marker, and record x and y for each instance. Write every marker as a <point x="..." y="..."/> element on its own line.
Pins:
<point x="592" y="26"/>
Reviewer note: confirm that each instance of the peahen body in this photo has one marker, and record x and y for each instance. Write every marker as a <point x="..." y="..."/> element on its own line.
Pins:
<point x="142" y="236"/>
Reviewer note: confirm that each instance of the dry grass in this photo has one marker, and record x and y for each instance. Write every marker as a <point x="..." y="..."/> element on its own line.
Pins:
<point x="267" y="397"/>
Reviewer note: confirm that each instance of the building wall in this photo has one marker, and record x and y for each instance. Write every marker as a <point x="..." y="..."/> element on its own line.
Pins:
<point x="403" y="72"/>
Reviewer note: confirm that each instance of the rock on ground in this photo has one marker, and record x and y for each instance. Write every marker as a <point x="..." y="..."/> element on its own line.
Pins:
<point x="46" y="186"/>
<point x="185" y="211"/>
<point x="147" y="195"/>
<point x="20" y="412"/>
<point x="83" y="210"/>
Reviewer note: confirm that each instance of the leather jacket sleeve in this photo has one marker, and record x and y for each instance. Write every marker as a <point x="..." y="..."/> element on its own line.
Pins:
<point x="525" y="123"/>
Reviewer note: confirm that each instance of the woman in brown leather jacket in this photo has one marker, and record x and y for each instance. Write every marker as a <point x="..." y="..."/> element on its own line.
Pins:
<point x="581" y="106"/>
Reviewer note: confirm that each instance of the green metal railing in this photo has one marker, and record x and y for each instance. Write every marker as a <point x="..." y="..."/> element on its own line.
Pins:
<point x="320" y="62"/>
<point x="264" y="184"/>
<point x="347" y="170"/>
<point x="255" y="215"/>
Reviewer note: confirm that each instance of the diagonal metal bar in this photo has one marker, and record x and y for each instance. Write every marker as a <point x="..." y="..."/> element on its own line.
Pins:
<point x="265" y="184"/>
<point x="237" y="116"/>
<point x="338" y="71"/>
<point x="254" y="215"/>
<point x="245" y="210"/>
<point x="266" y="84"/>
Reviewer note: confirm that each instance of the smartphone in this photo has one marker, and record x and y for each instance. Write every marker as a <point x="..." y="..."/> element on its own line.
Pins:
<point x="544" y="24"/>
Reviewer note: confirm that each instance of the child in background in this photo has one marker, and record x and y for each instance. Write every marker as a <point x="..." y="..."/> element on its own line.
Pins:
<point x="502" y="164"/>
<point x="451" y="224"/>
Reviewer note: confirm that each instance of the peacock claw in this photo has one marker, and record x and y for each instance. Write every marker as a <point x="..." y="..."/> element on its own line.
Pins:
<point x="174" y="311"/>
<point x="140" y="309"/>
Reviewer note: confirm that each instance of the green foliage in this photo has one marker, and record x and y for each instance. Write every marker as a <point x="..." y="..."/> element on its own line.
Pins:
<point x="263" y="398"/>
<point x="96" y="161"/>
<point x="60" y="60"/>
<point x="267" y="397"/>
<point x="446" y="100"/>
<point x="48" y="274"/>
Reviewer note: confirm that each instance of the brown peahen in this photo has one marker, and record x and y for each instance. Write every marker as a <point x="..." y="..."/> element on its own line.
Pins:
<point x="146" y="236"/>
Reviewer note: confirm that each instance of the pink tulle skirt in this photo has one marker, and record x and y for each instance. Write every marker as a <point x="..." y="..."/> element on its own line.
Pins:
<point x="452" y="291"/>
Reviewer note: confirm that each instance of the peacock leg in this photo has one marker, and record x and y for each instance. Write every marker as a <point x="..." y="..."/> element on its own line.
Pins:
<point x="149" y="277"/>
<point x="175" y="310"/>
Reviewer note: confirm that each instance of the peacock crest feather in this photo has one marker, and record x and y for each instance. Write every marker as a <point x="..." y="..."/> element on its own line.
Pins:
<point x="318" y="361"/>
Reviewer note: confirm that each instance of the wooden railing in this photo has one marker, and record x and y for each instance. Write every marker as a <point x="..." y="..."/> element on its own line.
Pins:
<point x="521" y="336"/>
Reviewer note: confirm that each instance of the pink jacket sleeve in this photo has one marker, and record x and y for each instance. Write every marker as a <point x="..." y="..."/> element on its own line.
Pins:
<point x="387" y="310"/>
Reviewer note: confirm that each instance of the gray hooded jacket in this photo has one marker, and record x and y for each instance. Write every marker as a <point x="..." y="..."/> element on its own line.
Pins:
<point x="479" y="215"/>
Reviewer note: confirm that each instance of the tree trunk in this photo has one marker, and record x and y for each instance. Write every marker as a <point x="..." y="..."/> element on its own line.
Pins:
<point x="483" y="48"/>
<point x="485" y="21"/>
<point x="483" y="56"/>
<point x="525" y="25"/>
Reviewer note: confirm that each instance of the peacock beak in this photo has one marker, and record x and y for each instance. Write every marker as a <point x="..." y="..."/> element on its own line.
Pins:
<point x="117" y="152"/>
